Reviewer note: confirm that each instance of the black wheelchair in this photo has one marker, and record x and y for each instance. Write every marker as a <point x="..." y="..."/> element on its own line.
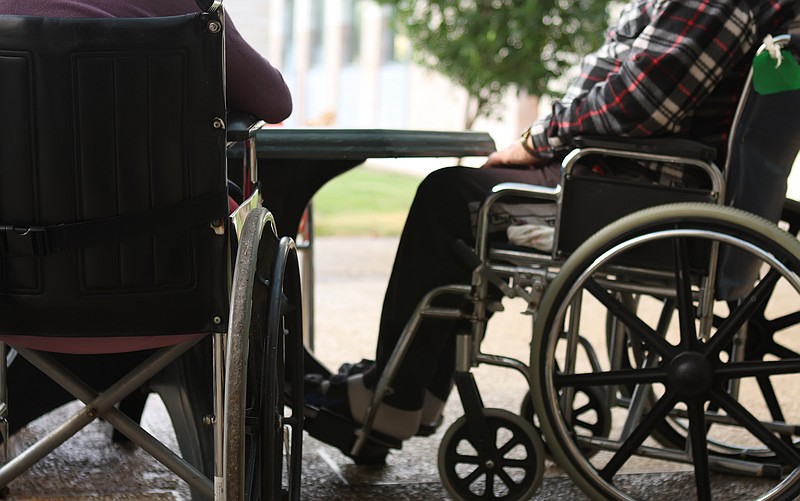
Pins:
<point x="119" y="253"/>
<point x="665" y="323"/>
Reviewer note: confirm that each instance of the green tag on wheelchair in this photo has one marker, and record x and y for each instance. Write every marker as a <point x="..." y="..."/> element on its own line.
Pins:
<point x="769" y="77"/>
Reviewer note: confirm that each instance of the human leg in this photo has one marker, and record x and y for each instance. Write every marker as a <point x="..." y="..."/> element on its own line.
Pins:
<point x="438" y="218"/>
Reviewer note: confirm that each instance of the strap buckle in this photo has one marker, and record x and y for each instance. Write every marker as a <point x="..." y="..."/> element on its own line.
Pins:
<point x="23" y="241"/>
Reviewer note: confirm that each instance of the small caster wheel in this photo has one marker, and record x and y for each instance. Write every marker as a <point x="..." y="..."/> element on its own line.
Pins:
<point x="510" y="467"/>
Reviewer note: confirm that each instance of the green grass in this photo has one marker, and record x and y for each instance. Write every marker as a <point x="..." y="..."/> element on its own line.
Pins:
<point x="364" y="201"/>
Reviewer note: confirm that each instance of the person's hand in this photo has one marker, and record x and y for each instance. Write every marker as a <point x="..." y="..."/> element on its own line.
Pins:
<point x="513" y="155"/>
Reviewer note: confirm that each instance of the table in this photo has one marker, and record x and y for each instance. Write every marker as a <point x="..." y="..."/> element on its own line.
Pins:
<point x="293" y="164"/>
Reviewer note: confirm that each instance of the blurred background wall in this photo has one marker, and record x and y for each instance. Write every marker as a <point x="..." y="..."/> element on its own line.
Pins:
<point x="347" y="67"/>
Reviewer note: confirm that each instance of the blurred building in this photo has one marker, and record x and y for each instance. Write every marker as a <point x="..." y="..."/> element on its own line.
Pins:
<point x="347" y="67"/>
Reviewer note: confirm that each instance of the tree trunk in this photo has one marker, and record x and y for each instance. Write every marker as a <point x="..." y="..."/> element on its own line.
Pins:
<point x="472" y="111"/>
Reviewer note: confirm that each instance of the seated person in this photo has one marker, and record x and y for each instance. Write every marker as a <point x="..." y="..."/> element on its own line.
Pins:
<point x="670" y="68"/>
<point x="253" y="86"/>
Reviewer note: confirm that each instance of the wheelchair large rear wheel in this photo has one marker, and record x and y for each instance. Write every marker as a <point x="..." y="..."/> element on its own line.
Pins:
<point x="262" y="444"/>
<point x="764" y="339"/>
<point x="283" y="446"/>
<point x="738" y="412"/>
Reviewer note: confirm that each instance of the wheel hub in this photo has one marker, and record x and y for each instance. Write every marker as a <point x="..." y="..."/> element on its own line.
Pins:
<point x="690" y="374"/>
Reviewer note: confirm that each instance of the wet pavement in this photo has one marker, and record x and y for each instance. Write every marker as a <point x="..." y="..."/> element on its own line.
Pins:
<point x="351" y="276"/>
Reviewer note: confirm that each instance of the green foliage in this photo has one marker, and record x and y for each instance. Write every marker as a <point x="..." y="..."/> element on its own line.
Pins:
<point x="487" y="45"/>
<point x="364" y="201"/>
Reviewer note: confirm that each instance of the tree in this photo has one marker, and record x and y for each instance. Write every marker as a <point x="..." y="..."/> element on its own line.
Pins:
<point x="486" y="46"/>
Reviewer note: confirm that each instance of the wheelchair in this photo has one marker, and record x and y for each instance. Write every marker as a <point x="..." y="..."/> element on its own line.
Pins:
<point x="665" y="324"/>
<point x="119" y="253"/>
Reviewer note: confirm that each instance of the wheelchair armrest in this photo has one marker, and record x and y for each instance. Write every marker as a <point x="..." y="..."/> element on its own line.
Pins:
<point x="523" y="190"/>
<point x="242" y="126"/>
<point x="679" y="147"/>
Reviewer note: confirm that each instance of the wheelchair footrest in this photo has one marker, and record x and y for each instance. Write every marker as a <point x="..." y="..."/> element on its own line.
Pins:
<point x="341" y="432"/>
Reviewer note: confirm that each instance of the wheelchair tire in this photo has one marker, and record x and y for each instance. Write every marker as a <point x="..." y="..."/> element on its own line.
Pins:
<point x="258" y="436"/>
<point x="686" y="377"/>
<point x="511" y="467"/>
<point x="283" y="447"/>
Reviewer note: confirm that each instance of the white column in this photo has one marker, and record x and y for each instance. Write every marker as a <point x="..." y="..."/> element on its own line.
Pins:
<point x="370" y="62"/>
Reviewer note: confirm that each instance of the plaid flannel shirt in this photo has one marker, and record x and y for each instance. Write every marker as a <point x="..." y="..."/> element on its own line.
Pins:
<point x="673" y="68"/>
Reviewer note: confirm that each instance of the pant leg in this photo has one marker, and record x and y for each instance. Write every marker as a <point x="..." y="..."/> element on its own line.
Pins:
<point x="439" y="216"/>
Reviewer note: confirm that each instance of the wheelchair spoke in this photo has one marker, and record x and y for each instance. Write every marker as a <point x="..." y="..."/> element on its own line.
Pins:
<point x="745" y="418"/>
<point x="771" y="399"/>
<point x="659" y="411"/>
<point x="757" y="297"/>
<point x="683" y="288"/>
<point x="489" y="492"/>
<point x="737" y="370"/>
<point x="615" y="377"/>
<point x="464" y="459"/>
<point x="505" y="478"/>
<point x="514" y="463"/>
<point x="476" y="473"/>
<point x="781" y="351"/>
<point x="512" y="442"/>
<point x="595" y="427"/>
<point x="637" y="327"/>
<point x="697" y="436"/>
<point x="784" y="322"/>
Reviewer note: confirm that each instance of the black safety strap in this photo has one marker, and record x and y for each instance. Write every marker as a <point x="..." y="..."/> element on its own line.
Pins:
<point x="44" y="240"/>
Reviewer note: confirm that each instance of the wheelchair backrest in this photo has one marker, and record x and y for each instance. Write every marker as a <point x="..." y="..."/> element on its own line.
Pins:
<point x="112" y="168"/>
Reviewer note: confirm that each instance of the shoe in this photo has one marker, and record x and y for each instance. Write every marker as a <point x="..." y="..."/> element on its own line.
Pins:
<point x="365" y="365"/>
<point x="330" y="391"/>
<point x="350" y="397"/>
<point x="329" y="394"/>
<point x="334" y="425"/>
<point x="426" y="430"/>
<point x="317" y="386"/>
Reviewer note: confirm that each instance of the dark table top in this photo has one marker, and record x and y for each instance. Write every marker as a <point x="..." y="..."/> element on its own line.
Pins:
<point x="327" y="143"/>
<point x="293" y="163"/>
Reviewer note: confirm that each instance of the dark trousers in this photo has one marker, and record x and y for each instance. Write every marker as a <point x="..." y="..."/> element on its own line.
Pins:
<point x="439" y="216"/>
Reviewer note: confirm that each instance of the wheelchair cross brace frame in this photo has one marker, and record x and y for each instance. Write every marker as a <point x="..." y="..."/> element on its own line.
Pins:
<point x="102" y="406"/>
